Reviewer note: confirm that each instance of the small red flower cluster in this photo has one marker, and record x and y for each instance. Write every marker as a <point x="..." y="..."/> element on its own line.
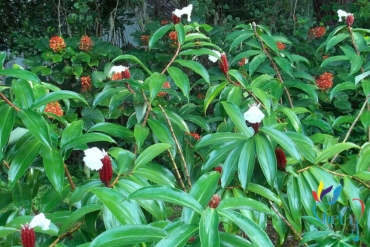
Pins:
<point x="165" y="85"/>
<point x="325" y="81"/>
<point x="85" y="83"/>
<point x="195" y="135"/>
<point x="224" y="66"/>
<point x="317" y="32"/>
<point x="173" y="35"/>
<point x="54" y="108"/>
<point x="57" y="43"/>
<point x="86" y="43"/>
<point x="280" y="159"/>
<point x="106" y="171"/>
<point x="28" y="236"/>
<point x="213" y="203"/>
<point x="280" y="46"/>
<point x="145" y="39"/>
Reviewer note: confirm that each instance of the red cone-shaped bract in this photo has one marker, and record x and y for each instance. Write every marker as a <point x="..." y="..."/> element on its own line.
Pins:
<point x="106" y="171"/>
<point x="224" y="66"/>
<point x="280" y="159"/>
<point x="28" y="236"/>
<point x="349" y="20"/>
<point x="175" y="19"/>
<point x="213" y="203"/>
<point x="126" y="74"/>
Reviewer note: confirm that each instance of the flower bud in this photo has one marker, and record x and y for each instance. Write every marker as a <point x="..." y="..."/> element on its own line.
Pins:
<point x="106" y="171"/>
<point x="215" y="200"/>
<point x="28" y="236"/>
<point x="224" y="66"/>
<point x="218" y="169"/>
<point x="350" y="19"/>
<point x="280" y="159"/>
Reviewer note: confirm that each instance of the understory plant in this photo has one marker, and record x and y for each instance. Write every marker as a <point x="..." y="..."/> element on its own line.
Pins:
<point x="195" y="138"/>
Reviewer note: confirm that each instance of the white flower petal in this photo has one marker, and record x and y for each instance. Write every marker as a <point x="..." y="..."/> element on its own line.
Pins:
<point x="342" y="13"/>
<point x="254" y="115"/>
<point x="184" y="11"/>
<point x="213" y="58"/>
<point x="41" y="221"/>
<point x="117" y="69"/>
<point x="93" y="158"/>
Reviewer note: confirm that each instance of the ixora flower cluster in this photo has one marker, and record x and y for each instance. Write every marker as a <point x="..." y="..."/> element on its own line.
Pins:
<point x="99" y="160"/>
<point x="54" y="108"/>
<point x="317" y="32"/>
<point x="325" y="81"/>
<point x="28" y="234"/>
<point x="253" y="117"/>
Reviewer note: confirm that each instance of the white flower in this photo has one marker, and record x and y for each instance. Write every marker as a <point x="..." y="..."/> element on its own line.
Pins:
<point x="254" y="115"/>
<point x="93" y="158"/>
<point x="117" y="69"/>
<point x="342" y="13"/>
<point x="41" y="221"/>
<point x="213" y="58"/>
<point x="184" y="11"/>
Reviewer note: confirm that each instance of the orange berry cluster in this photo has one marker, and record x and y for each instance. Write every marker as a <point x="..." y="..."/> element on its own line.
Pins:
<point x="85" y="83"/>
<point x="57" y="43"/>
<point x="280" y="46"/>
<point x="86" y="43"/>
<point x="317" y="32"/>
<point x="325" y="81"/>
<point x="54" y="108"/>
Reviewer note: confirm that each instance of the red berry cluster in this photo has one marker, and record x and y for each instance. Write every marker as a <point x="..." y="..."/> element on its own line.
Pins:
<point x="215" y="200"/>
<point x="165" y="85"/>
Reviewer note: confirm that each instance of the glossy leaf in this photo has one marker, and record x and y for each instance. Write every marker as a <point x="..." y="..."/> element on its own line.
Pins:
<point x="21" y="74"/>
<point x="54" y="168"/>
<point x="178" y="237"/>
<point x="335" y="40"/>
<point x="55" y="96"/>
<point x="23" y="93"/>
<point x="255" y="63"/>
<point x="6" y="125"/>
<point x="181" y="80"/>
<point x="114" y="130"/>
<point x="156" y="81"/>
<point x="212" y="93"/>
<point x="230" y="165"/>
<point x="150" y="153"/>
<point x="86" y="138"/>
<point x="83" y="188"/>
<point x="363" y="162"/>
<point x="213" y="138"/>
<point x="132" y="59"/>
<point x="233" y="240"/>
<point x="159" y="34"/>
<point x="140" y="133"/>
<point x="294" y="198"/>
<point x="238" y="40"/>
<point x="237" y="117"/>
<point x="208" y="228"/>
<point x="244" y="203"/>
<point x="284" y="64"/>
<point x="196" y="67"/>
<point x="246" y="163"/>
<point x="341" y="87"/>
<point x="266" y="157"/>
<point x="260" y="190"/>
<point x="333" y="150"/>
<point x="174" y="118"/>
<point x="5" y="231"/>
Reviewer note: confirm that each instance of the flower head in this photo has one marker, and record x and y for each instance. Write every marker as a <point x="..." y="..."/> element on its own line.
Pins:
<point x="54" y="108"/>
<point x="41" y="221"/>
<point x="325" y="81"/>
<point x="57" y="43"/>
<point x="215" y="200"/>
<point x="173" y="35"/>
<point x="243" y="61"/>
<point x="165" y="85"/>
<point x="280" y="159"/>
<point x="93" y="157"/>
<point x="254" y="115"/>
<point x="213" y="58"/>
<point x="175" y="19"/>
<point x="349" y="20"/>
<point x="145" y="39"/>
<point x="184" y="11"/>
<point x="106" y="171"/>
<point x="280" y="46"/>
<point x="28" y="234"/>
<point x="85" y="83"/>
<point x="86" y="43"/>
<point x="317" y="32"/>
<point x="224" y="66"/>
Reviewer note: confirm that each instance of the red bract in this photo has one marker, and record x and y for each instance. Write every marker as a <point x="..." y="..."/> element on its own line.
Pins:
<point x="213" y="203"/>
<point x="218" y="169"/>
<point x="126" y="74"/>
<point x="224" y="66"/>
<point x="349" y="20"/>
<point x="195" y="135"/>
<point x="106" y="171"/>
<point x="175" y="19"/>
<point x="317" y="32"/>
<point x="28" y="236"/>
<point x="280" y="159"/>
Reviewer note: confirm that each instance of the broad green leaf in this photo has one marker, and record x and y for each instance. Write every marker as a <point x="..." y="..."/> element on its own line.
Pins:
<point x="316" y="222"/>
<point x="86" y="138"/>
<point x="255" y="63"/>
<point x="266" y="157"/>
<point x="128" y="235"/>
<point x="304" y="144"/>
<point x="83" y="188"/>
<point x="192" y="36"/>
<point x="132" y="59"/>
<point x="284" y="141"/>
<point x="245" y="54"/>
<point x="21" y="195"/>
<point x="157" y="174"/>
<point x="6" y="125"/>
<point x="219" y="138"/>
<point x="335" y="40"/>
<point x="202" y="191"/>
<point x="237" y="117"/>
<point x="230" y="165"/>
<point x="356" y="63"/>
<point x="252" y="230"/>
<point x="5" y="231"/>
<point x="54" y="168"/>
<point x="55" y="96"/>
<point x="333" y="150"/>
<point x="21" y="74"/>
<point x="238" y="76"/>
<point x="362" y="76"/>
<point x="199" y="52"/>
<point x="22" y="161"/>
<point x="37" y="125"/>
<point x="125" y="159"/>
<point x="212" y="93"/>
<point x="329" y="60"/>
<point x="178" y="237"/>
<point x="264" y="97"/>
<point x="174" y="118"/>
<point x="181" y="80"/>
<point x="208" y="228"/>
<point x="107" y="93"/>
<point x="23" y="93"/>
<point x="150" y="153"/>
<point x="294" y="199"/>
<point x="156" y="81"/>
<point x="317" y="235"/>
<point x="284" y="64"/>
<point x="180" y="33"/>
<point x="167" y="194"/>
<point x="270" y="42"/>
<point x="140" y="133"/>
<point x="363" y="162"/>
<point x="115" y="130"/>
<point x="51" y="198"/>
<point x="238" y="40"/>
<point x="159" y="34"/>
<point x="244" y="203"/>
<point x="161" y="131"/>
<point x="233" y="240"/>
<point x="72" y="131"/>
<point x="306" y="194"/>
<point x="353" y="194"/>
<point x="196" y="67"/>
<point x="341" y="87"/>
<point x="260" y="190"/>
<point x="306" y="88"/>
<point x="246" y="163"/>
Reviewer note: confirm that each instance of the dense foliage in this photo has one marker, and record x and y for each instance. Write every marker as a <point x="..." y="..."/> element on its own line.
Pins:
<point x="213" y="134"/>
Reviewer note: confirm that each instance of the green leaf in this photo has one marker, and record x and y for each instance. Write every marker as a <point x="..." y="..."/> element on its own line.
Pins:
<point x="54" y="168"/>
<point x="128" y="235"/>
<point x="167" y="194"/>
<point x="37" y="125"/>
<point x="270" y="42"/>
<point x="284" y="64"/>
<point x="230" y="166"/>
<point x="238" y="40"/>
<point x="253" y="231"/>
<point x="341" y="87"/>
<point x="21" y="74"/>
<point x="21" y="194"/>
<point x="141" y="133"/>
<point x="76" y="215"/>
<point x="181" y="80"/>
<point x="212" y="93"/>
<point x="22" y="161"/>
<point x="363" y="162"/>
<point x="180" y="33"/>
<point x="294" y="199"/>
<point x="264" y="97"/>
<point x="23" y="93"/>
<point x="333" y="150"/>
<point x="196" y="67"/>
<point x="5" y="231"/>
<point x="202" y="191"/>
<point x="157" y="174"/>
<point x="106" y="94"/>
<point x="266" y="157"/>
<point x="306" y="88"/>
<point x="159" y="34"/>
<point x="356" y="63"/>
<point x="255" y="63"/>
<point x="55" y="96"/>
<point x="208" y="228"/>
<point x="219" y="138"/>
<point x="132" y="59"/>
<point x="245" y="54"/>
<point x="335" y="40"/>
<point x="179" y="236"/>
<point x="114" y="130"/>
<point x="329" y="60"/>
<point x="260" y="190"/>
<point x="86" y="138"/>
<point x="237" y="118"/>
<point x="353" y="193"/>
<point x="6" y="125"/>
<point x="284" y="141"/>
<point x="83" y="188"/>
<point x="246" y="163"/>
<point x="244" y="203"/>
<point x="124" y="158"/>
<point x="233" y="240"/>
<point x="192" y="36"/>
<point x="51" y="198"/>
<point x="306" y="194"/>
<point x="161" y="131"/>
<point x="156" y="81"/>
<point x="174" y="118"/>
<point x="150" y="153"/>
<point x="304" y="144"/>
<point x="238" y="76"/>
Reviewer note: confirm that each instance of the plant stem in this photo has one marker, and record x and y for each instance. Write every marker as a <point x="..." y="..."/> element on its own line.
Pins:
<point x="9" y="102"/>
<point x="178" y="147"/>
<point x="177" y="171"/>
<point x="67" y="233"/>
<point x="273" y="65"/>
<point x="73" y="186"/>
<point x="352" y="126"/>
<point x="173" y="58"/>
